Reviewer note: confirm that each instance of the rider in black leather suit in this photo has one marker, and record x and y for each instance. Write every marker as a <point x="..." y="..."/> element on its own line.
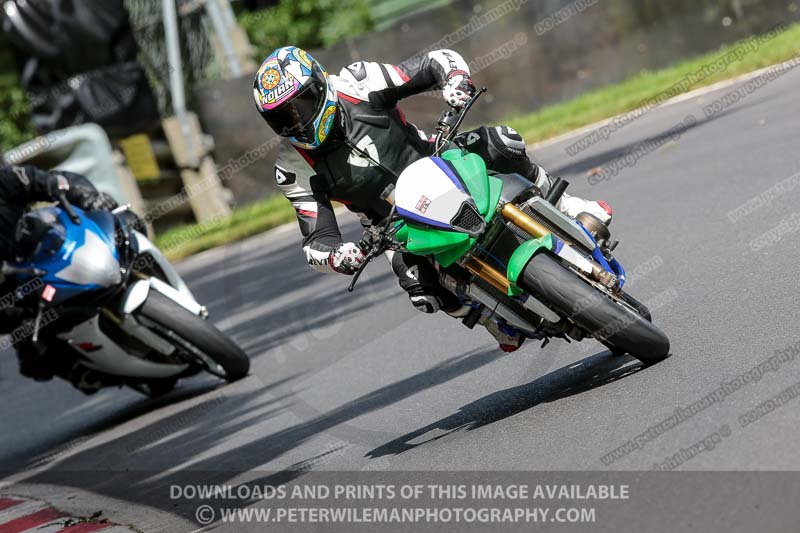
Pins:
<point x="21" y="186"/>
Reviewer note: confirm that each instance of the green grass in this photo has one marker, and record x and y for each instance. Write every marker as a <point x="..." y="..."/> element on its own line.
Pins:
<point x="610" y="101"/>
<point x="247" y="221"/>
<point x="552" y="120"/>
<point x="385" y="13"/>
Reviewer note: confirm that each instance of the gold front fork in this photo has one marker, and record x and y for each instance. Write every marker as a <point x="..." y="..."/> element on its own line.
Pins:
<point x="524" y="222"/>
<point x="516" y="216"/>
<point x="488" y="273"/>
<point x="491" y="275"/>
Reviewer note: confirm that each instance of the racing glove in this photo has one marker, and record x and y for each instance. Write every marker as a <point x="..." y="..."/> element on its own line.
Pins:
<point x="458" y="88"/>
<point x="80" y="192"/>
<point x="346" y="258"/>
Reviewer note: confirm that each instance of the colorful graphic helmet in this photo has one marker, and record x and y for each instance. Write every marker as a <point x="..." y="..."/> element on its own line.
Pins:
<point x="295" y="97"/>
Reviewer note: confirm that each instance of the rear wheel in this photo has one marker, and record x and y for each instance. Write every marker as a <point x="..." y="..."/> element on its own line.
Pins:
<point x="613" y="324"/>
<point x="219" y="354"/>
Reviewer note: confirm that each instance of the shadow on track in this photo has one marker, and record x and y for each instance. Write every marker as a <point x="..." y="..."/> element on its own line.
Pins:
<point x="34" y="456"/>
<point x="305" y="315"/>
<point x="590" y="373"/>
<point x="140" y="466"/>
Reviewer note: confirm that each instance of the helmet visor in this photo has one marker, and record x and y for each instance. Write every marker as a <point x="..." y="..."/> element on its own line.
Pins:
<point x="296" y="117"/>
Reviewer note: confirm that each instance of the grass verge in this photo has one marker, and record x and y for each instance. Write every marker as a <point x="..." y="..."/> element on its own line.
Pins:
<point x="252" y="219"/>
<point x="607" y="102"/>
<point x="553" y="120"/>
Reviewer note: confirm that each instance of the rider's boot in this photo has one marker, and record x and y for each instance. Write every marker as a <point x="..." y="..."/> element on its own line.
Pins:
<point x="421" y="281"/>
<point x="508" y="338"/>
<point x="572" y="206"/>
<point x="40" y="361"/>
<point x="35" y="361"/>
<point x="504" y="151"/>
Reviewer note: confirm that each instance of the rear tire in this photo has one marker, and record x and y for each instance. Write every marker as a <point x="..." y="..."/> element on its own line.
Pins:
<point x="198" y="333"/>
<point x="612" y="324"/>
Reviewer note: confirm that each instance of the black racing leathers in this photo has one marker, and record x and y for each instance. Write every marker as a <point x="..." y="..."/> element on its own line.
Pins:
<point x="370" y="146"/>
<point x="21" y="186"/>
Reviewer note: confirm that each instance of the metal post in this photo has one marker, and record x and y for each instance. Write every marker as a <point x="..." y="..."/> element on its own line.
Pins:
<point x="221" y="25"/>
<point x="227" y="13"/>
<point x="738" y="9"/>
<point x="176" y="88"/>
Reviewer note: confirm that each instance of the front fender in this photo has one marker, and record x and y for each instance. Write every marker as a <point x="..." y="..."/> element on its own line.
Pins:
<point x="522" y="256"/>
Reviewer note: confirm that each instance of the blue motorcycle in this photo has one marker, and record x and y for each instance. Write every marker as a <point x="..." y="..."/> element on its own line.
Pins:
<point x="117" y="310"/>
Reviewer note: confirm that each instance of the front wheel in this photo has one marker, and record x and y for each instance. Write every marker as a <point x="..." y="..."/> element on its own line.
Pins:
<point x="219" y="354"/>
<point x="610" y="322"/>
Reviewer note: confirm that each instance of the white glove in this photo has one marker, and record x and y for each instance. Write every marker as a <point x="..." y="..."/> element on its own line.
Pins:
<point x="458" y="89"/>
<point x="346" y="258"/>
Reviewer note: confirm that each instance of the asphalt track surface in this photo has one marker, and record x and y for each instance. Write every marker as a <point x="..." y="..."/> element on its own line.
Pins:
<point x="351" y="382"/>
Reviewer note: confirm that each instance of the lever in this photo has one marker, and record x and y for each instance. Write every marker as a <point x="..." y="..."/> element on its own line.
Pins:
<point x="557" y="191"/>
<point x="73" y="216"/>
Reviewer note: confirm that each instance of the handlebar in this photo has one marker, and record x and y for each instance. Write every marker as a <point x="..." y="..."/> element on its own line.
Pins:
<point x="67" y="206"/>
<point x="11" y="270"/>
<point x="451" y="120"/>
<point x="60" y="193"/>
<point x="381" y="239"/>
<point x="372" y="252"/>
<point x="446" y="129"/>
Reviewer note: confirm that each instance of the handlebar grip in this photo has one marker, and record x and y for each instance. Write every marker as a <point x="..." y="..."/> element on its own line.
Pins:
<point x="557" y="191"/>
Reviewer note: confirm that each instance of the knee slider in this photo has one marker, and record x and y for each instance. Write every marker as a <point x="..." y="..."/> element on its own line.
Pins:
<point x="507" y="142"/>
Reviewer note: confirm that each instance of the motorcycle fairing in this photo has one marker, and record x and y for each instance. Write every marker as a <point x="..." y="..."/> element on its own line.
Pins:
<point x="429" y="193"/>
<point x="455" y="178"/>
<point x="87" y="260"/>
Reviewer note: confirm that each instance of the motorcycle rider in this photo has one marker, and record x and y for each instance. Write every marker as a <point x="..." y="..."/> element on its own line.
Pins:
<point x="21" y="186"/>
<point x="345" y="140"/>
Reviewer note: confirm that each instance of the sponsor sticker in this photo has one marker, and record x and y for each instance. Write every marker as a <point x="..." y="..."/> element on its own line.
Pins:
<point x="423" y="204"/>
<point x="48" y="293"/>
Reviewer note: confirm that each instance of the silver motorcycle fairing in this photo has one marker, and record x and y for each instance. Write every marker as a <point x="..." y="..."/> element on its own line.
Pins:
<point x="569" y="226"/>
<point x="149" y="251"/>
<point x="138" y="292"/>
<point x="91" y="264"/>
<point x="101" y="353"/>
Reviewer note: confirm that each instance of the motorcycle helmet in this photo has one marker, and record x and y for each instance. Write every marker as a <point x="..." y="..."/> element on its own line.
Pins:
<point x="295" y="96"/>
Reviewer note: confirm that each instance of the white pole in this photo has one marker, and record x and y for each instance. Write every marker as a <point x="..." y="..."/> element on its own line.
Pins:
<point x="176" y="88"/>
<point x="221" y="28"/>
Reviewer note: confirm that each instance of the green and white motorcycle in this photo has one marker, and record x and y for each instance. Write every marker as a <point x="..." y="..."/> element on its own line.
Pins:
<point x="503" y="248"/>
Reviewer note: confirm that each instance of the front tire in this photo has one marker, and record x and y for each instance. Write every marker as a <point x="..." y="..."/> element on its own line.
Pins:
<point x="197" y="333"/>
<point x="610" y="322"/>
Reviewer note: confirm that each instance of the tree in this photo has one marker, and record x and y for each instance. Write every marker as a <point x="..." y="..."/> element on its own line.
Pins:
<point x="15" y="120"/>
<point x="305" y="23"/>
